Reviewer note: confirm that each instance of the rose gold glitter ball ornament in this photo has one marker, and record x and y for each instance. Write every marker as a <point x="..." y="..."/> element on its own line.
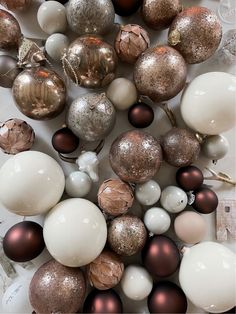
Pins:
<point x="15" y="4"/>
<point x="196" y="33"/>
<point x="10" y="32"/>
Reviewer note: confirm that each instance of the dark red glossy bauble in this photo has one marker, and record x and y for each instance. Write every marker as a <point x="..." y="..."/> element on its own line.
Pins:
<point x="24" y="241"/>
<point x="189" y="178"/>
<point x="206" y="201"/>
<point x="141" y="115"/>
<point x="61" y="1"/>
<point x="64" y="141"/>
<point x="126" y="7"/>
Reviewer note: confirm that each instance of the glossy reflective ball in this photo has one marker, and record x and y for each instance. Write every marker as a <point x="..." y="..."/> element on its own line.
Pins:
<point x="189" y="178"/>
<point x="141" y="115"/>
<point x="64" y="141"/>
<point x="206" y="201"/>
<point x="126" y="7"/>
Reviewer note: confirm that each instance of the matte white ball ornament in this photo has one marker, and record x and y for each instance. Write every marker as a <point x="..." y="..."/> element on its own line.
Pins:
<point x="148" y="193"/>
<point x="215" y="147"/>
<point x="173" y="199"/>
<point x="78" y="184"/>
<point x="157" y="220"/>
<point x="56" y="46"/>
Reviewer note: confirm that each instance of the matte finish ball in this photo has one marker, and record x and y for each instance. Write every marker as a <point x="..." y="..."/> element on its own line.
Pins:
<point x="173" y="199"/>
<point x="16" y="4"/>
<point x="8" y="71"/>
<point x="215" y="147"/>
<point x="206" y="201"/>
<point x="141" y="115"/>
<point x="10" y="32"/>
<point x="24" y="241"/>
<point x="64" y="141"/>
<point x="56" y="46"/>
<point x="189" y="178"/>
<point x="126" y="7"/>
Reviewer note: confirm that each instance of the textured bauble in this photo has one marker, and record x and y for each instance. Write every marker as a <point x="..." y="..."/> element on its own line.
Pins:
<point x="39" y="93"/>
<point x="56" y="46"/>
<point x="10" y="32"/>
<point x="161" y="256"/>
<point x="31" y="183"/>
<point x="209" y="267"/>
<point x="196" y="33"/>
<point x="122" y="93"/>
<point x="16" y="136"/>
<point x="115" y="197"/>
<point x="159" y="14"/>
<point x="127" y="235"/>
<point x="215" y="147"/>
<point x="106" y="271"/>
<point x="78" y="184"/>
<point x="64" y="141"/>
<point x="136" y="283"/>
<point x="148" y="193"/>
<point x="189" y="178"/>
<point x="141" y="115"/>
<point x="129" y="154"/>
<point x="131" y="41"/>
<point x="206" y="201"/>
<point x="16" y="4"/>
<point x="91" y="117"/>
<point x="167" y="297"/>
<point x="180" y="147"/>
<point x="23" y="241"/>
<point x="83" y="228"/>
<point x="173" y="199"/>
<point x="127" y="7"/>
<point x="8" y="71"/>
<point x="157" y="220"/>
<point x="160" y="73"/>
<point x="55" y="288"/>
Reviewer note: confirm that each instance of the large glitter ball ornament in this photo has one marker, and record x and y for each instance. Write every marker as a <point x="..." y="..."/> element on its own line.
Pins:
<point x="31" y="183"/>
<point x="55" y="288"/>
<point x="39" y="93"/>
<point x="135" y="156"/>
<point x="91" y="117"/>
<point x="160" y="73"/>
<point x="15" y="4"/>
<point x="10" y="32"/>
<point x="8" y="71"/>
<point x="196" y="33"/>
<point x="90" y="17"/>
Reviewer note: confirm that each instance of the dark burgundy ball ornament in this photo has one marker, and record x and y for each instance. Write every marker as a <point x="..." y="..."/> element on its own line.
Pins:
<point x="126" y="7"/>
<point x="64" y="141"/>
<point x="206" y="201"/>
<point x="141" y="115"/>
<point x="189" y="178"/>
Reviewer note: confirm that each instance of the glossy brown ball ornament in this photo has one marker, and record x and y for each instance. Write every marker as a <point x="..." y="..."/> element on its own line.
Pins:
<point x="161" y="256"/>
<point x="8" y="71"/>
<point x="15" y="4"/>
<point x="167" y="297"/>
<point x="10" y="32"/>
<point x="64" y="141"/>
<point x="160" y="73"/>
<point x="129" y="154"/>
<point x="141" y="115"/>
<point x="24" y="241"/>
<point x="196" y="33"/>
<point x="39" y="93"/>
<point x="126" y="7"/>
<point x="55" y="288"/>
<point x="189" y="178"/>
<point x="206" y="201"/>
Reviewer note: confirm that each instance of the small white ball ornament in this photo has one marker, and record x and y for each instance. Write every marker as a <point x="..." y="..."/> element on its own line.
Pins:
<point x="215" y="147"/>
<point x="148" y="193"/>
<point x="157" y="220"/>
<point x="78" y="184"/>
<point x="56" y="46"/>
<point x="173" y="199"/>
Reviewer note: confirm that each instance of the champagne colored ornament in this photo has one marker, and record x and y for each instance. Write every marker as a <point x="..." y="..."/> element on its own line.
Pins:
<point x="160" y="73"/>
<point x="206" y="201"/>
<point x="215" y="147"/>
<point x="148" y="193"/>
<point x="189" y="178"/>
<point x="173" y="199"/>
<point x="141" y="115"/>
<point x="64" y="141"/>
<point x="55" y="288"/>
<point x="90" y="62"/>
<point x="196" y="33"/>
<point x="157" y="220"/>
<point x="39" y="93"/>
<point x="131" y="41"/>
<point x="126" y="7"/>
<point x="78" y="184"/>
<point x="56" y="46"/>
<point x="8" y="71"/>
<point x="129" y="154"/>
<point x="15" y="4"/>
<point x="10" y="32"/>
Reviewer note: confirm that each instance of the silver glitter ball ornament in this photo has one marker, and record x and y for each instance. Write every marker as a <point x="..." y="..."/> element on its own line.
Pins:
<point x="91" y="117"/>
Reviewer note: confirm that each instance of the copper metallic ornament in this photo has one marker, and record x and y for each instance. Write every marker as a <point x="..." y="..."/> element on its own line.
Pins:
<point x="160" y="73"/>
<point x="55" y="288"/>
<point x="189" y="178"/>
<point x="131" y="41"/>
<point x="8" y="71"/>
<point x="206" y="200"/>
<point x="10" y="32"/>
<point x="141" y="115"/>
<point x="196" y="33"/>
<point x="39" y="93"/>
<point x="90" y="62"/>
<point x="135" y="156"/>
<point x="15" y="4"/>
<point x="126" y="7"/>
<point x="64" y="141"/>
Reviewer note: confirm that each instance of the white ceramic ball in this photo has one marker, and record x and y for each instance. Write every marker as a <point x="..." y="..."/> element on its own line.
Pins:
<point x="157" y="220"/>
<point x="148" y="193"/>
<point x="78" y="184"/>
<point x="136" y="283"/>
<point x="173" y="199"/>
<point x="31" y="183"/>
<point x="52" y="17"/>
<point x="208" y="103"/>
<point x="207" y="276"/>
<point x="75" y="232"/>
<point x="56" y="45"/>
<point x="215" y="147"/>
<point x="122" y="93"/>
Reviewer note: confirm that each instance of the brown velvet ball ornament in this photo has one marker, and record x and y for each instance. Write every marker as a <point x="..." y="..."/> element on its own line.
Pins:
<point x="126" y="7"/>
<point x="189" y="178"/>
<point x="8" y="71"/>
<point x="206" y="201"/>
<point x="64" y="141"/>
<point x="141" y="115"/>
<point x="10" y="32"/>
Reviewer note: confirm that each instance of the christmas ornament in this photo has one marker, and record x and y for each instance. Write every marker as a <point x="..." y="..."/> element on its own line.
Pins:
<point x="160" y="256"/>
<point x="91" y="117"/>
<point x="141" y="115"/>
<point x="93" y="17"/>
<point x="129" y="154"/>
<point x="10" y="32"/>
<point x="131" y="41"/>
<point x="159" y="14"/>
<point x="136" y="283"/>
<point x="56" y="46"/>
<point x="207" y="99"/>
<point x="215" y="147"/>
<point x="157" y="220"/>
<point x="196" y="33"/>
<point x="122" y="93"/>
<point x="115" y="197"/>
<point x="16" y="136"/>
<point x="127" y="235"/>
<point x="30" y="54"/>
<point x="173" y="199"/>
<point x="8" y="71"/>
<point x="35" y="185"/>
<point x="83" y="226"/>
<point x="39" y="93"/>
<point x="206" y="200"/>
<point x="78" y="184"/>
<point x="226" y="220"/>
<point x="226" y="54"/>
<point x="88" y="162"/>
<point x="180" y="147"/>
<point x="148" y="193"/>
<point x="15" y="4"/>
<point x="189" y="178"/>
<point x="126" y="8"/>
<point x="190" y="227"/>
<point x="55" y="288"/>
<point x="64" y="141"/>
<point x="24" y="241"/>
<point x="106" y="271"/>
<point x="167" y="297"/>
<point x="209" y="267"/>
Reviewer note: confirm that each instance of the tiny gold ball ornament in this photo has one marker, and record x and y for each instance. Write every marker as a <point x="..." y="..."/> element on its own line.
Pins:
<point x="10" y="32"/>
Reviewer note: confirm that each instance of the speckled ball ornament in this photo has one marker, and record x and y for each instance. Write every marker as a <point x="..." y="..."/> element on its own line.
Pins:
<point x="196" y="33"/>
<point x="160" y="73"/>
<point x="16" y="4"/>
<point x="129" y="154"/>
<point x="91" y="117"/>
<point x="127" y="235"/>
<point x="10" y="32"/>
<point x="180" y="147"/>
<point x="8" y="71"/>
